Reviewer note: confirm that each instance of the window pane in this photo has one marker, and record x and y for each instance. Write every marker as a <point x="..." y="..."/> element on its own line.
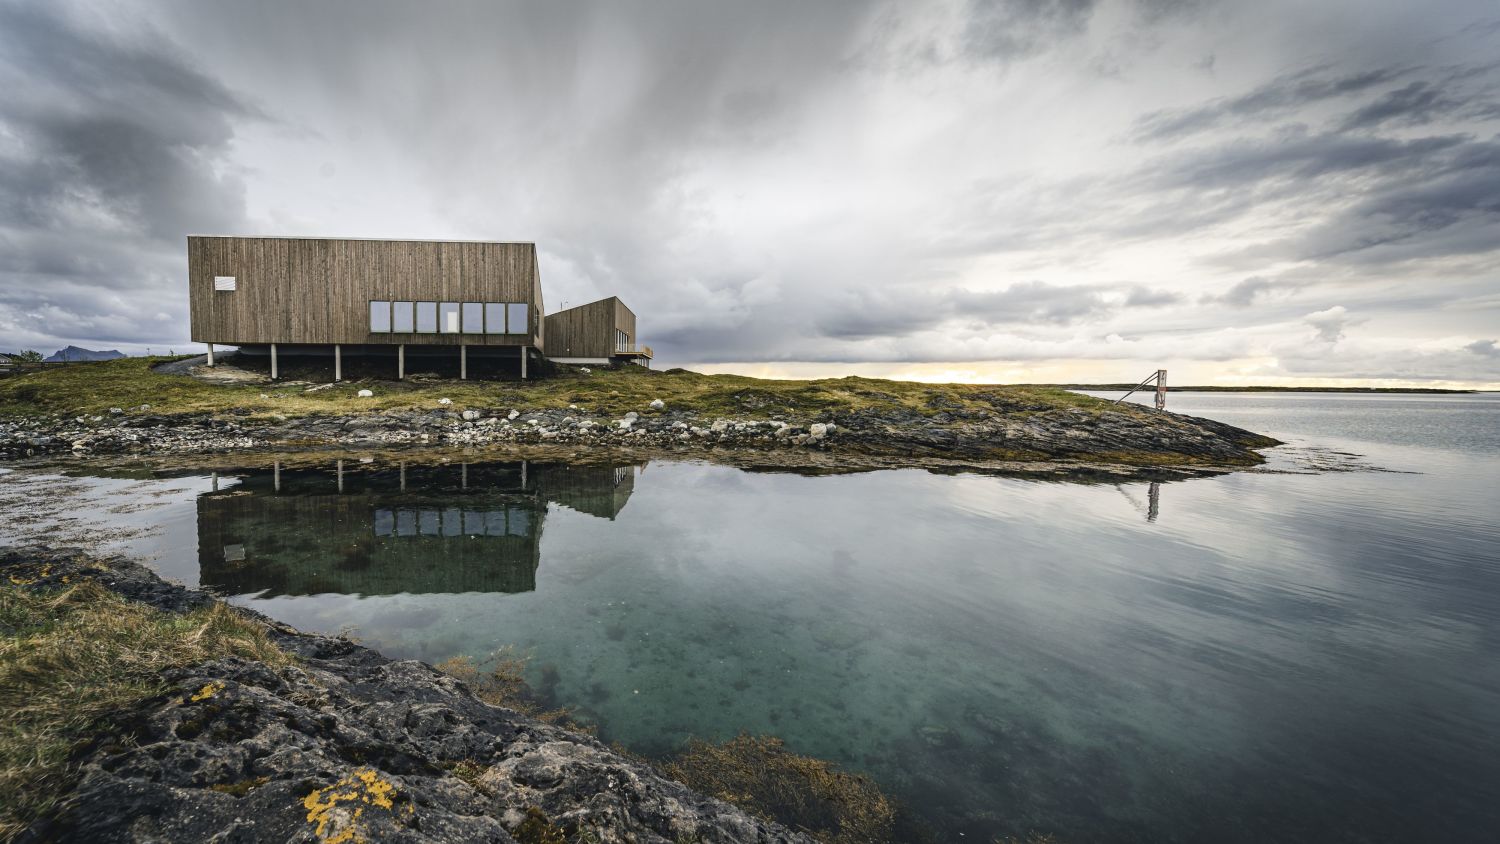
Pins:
<point x="224" y="282"/>
<point x="427" y="317"/>
<point x="448" y="318"/>
<point x="473" y="318"/>
<point x="515" y="319"/>
<point x="494" y="318"/>
<point x="401" y="317"/>
<point x="380" y="317"/>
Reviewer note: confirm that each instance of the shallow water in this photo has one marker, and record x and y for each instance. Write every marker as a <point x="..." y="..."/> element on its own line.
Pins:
<point x="1303" y="653"/>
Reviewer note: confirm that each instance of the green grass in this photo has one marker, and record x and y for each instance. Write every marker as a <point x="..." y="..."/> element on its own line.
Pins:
<point x="128" y="383"/>
<point x="70" y="659"/>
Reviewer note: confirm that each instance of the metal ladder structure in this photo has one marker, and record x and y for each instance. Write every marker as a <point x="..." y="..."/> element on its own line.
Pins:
<point x="1160" y="377"/>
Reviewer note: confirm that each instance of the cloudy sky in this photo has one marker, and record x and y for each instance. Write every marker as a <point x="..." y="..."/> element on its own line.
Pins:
<point x="1021" y="190"/>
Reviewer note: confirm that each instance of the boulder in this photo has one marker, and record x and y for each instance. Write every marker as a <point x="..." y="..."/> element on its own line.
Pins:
<point x="365" y="394"/>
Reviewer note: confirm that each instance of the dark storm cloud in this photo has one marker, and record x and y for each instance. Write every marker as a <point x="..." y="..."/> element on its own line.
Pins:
<point x="767" y="181"/>
<point x="1245" y="293"/>
<point x="1008" y="29"/>
<point x="1281" y="96"/>
<point x="899" y="312"/>
<point x="116" y="141"/>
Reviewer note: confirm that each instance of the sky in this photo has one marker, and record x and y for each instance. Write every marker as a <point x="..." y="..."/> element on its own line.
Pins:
<point x="971" y="190"/>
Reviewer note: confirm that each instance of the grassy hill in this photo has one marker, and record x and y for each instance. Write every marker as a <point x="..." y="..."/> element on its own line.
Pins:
<point x="128" y="383"/>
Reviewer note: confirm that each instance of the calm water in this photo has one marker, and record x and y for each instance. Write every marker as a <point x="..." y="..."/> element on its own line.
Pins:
<point x="1289" y="655"/>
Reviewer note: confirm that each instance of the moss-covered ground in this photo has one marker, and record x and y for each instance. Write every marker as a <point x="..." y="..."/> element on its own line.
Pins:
<point x="71" y="658"/>
<point x="128" y="383"/>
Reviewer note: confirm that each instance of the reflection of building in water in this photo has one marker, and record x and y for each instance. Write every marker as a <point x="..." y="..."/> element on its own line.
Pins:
<point x="378" y="531"/>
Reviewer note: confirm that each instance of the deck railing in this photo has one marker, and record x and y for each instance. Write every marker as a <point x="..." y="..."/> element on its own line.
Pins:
<point x="639" y="351"/>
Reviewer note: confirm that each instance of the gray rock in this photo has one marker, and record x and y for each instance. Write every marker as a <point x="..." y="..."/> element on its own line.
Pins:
<point x="294" y="750"/>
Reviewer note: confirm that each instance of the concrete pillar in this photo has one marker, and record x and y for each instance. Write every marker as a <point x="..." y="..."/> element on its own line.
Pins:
<point x="401" y="362"/>
<point x="524" y="355"/>
<point x="523" y="474"/>
<point x="403" y="476"/>
<point x="273" y="361"/>
<point x="276" y="477"/>
<point x="216" y="481"/>
<point x="338" y="362"/>
<point x="210" y="354"/>
<point x="341" y="475"/>
<point x="463" y="362"/>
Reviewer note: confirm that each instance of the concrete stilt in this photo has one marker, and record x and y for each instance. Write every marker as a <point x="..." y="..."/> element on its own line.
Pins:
<point x="463" y="362"/>
<point x="524" y="356"/>
<point x="341" y="475"/>
<point x="276" y="476"/>
<point x="401" y="362"/>
<point x="403" y="476"/>
<point x="210" y="354"/>
<point x="273" y="361"/>
<point x="338" y="362"/>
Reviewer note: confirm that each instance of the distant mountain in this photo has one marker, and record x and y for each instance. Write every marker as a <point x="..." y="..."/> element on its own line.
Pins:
<point x="75" y="353"/>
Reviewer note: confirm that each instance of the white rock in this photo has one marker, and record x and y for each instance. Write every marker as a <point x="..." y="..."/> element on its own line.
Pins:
<point x="470" y="415"/>
<point x="626" y="423"/>
<point x="585" y="370"/>
<point x="632" y="415"/>
<point x="679" y="425"/>
<point x="365" y="394"/>
<point x="264" y="396"/>
<point x="445" y="401"/>
<point x="513" y="414"/>
<point x="572" y="407"/>
<point x="817" y="431"/>
<point x="657" y="404"/>
<point x="145" y="407"/>
<point x="117" y="411"/>
<point x="719" y="426"/>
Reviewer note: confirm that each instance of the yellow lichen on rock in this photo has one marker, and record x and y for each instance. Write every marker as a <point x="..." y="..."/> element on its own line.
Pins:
<point x="207" y="691"/>
<point x="336" y="825"/>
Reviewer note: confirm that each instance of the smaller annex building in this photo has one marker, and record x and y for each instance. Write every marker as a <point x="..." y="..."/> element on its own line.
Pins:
<point x="477" y="301"/>
<point x="600" y="332"/>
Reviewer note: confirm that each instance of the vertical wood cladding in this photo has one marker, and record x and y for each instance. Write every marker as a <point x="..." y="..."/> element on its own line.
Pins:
<point x="318" y="290"/>
<point x="588" y="331"/>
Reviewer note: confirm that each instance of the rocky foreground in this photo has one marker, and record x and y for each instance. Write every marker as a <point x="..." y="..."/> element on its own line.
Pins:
<point x="348" y="746"/>
<point x="1004" y="432"/>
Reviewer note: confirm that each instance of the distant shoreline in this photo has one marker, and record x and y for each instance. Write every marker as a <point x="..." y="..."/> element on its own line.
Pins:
<point x="1123" y="387"/>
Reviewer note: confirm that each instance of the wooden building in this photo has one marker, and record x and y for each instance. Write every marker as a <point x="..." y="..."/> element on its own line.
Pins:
<point x="600" y="332"/>
<point x="295" y="294"/>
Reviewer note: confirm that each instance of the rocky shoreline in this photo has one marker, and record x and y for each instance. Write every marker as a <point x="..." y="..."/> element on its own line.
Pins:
<point x="346" y="745"/>
<point x="1124" y="437"/>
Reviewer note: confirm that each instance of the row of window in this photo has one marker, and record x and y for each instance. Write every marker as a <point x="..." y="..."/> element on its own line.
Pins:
<point x="512" y="521"/>
<point x="449" y="318"/>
